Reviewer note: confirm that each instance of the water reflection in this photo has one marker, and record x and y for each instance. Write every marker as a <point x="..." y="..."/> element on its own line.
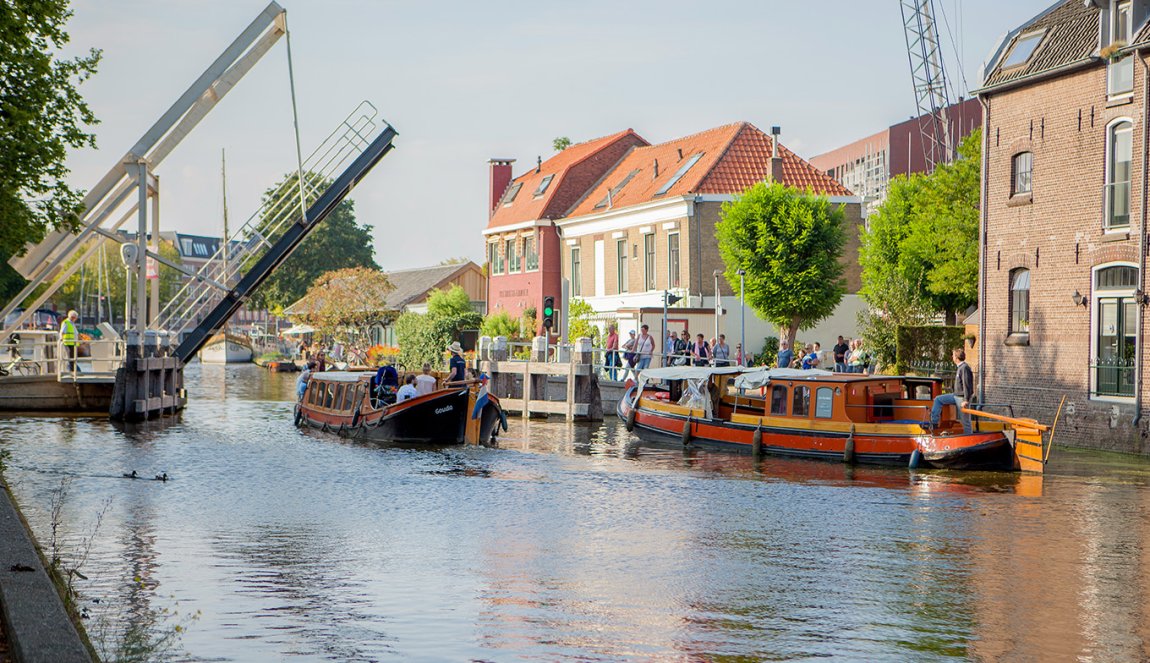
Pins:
<point x="575" y="542"/>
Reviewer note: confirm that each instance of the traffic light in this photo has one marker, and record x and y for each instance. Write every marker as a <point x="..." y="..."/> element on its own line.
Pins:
<point x="548" y="313"/>
<point x="671" y="299"/>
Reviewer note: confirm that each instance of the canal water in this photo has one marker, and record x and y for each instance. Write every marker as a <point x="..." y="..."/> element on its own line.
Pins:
<point x="569" y="543"/>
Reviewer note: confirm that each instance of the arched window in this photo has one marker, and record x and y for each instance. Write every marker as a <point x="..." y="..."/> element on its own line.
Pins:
<point x="1120" y="151"/>
<point x="1022" y="167"/>
<point x="1115" y="330"/>
<point x="1020" y="301"/>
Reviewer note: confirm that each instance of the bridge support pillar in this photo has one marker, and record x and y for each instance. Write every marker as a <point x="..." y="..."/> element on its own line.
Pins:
<point x="150" y="382"/>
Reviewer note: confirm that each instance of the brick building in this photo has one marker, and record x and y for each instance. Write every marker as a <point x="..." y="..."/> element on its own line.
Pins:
<point x="867" y="166"/>
<point x="649" y="225"/>
<point x="1063" y="273"/>
<point x="522" y="242"/>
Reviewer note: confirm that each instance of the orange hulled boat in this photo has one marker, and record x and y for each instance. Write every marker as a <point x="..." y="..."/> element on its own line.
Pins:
<point x="854" y="418"/>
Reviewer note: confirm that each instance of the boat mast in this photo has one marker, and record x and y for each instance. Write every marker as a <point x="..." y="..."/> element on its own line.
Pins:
<point x="224" y="186"/>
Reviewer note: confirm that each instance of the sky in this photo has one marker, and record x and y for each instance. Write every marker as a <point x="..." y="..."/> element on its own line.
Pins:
<point x="463" y="82"/>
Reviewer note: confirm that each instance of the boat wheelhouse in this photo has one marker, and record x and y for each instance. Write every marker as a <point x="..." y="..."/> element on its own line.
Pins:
<point x="833" y="416"/>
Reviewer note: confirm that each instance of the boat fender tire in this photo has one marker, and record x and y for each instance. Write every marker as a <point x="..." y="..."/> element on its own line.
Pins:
<point x="630" y="425"/>
<point x="849" y="450"/>
<point x="757" y="442"/>
<point x="298" y="416"/>
<point x="915" y="459"/>
<point x="503" y="420"/>
<point x="686" y="437"/>
<point x="355" y="418"/>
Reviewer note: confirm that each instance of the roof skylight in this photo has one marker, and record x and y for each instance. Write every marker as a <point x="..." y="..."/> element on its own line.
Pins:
<point x="679" y="173"/>
<point x="543" y="185"/>
<point x="509" y="197"/>
<point x="1024" y="47"/>
<point x="616" y="189"/>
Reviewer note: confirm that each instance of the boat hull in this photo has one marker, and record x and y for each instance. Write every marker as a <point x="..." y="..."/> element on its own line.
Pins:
<point x="979" y="451"/>
<point x="44" y="393"/>
<point x="437" y="418"/>
<point x="220" y="351"/>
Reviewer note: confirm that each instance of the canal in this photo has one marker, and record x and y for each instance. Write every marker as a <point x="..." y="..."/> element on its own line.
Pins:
<point x="571" y="542"/>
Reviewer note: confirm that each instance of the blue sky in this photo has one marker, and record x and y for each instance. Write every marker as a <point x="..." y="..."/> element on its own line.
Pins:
<point x="466" y="81"/>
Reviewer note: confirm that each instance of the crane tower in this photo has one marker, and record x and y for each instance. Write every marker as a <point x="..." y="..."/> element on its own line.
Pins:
<point x="928" y="74"/>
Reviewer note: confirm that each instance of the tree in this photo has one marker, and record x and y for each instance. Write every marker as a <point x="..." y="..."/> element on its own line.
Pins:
<point x="579" y="323"/>
<point x="453" y="302"/>
<point x="500" y="323"/>
<point x="346" y="300"/>
<point x="561" y="143"/>
<point x="42" y="115"/>
<point x="459" y="260"/>
<point x="789" y="244"/>
<point x="336" y="243"/>
<point x="925" y="236"/>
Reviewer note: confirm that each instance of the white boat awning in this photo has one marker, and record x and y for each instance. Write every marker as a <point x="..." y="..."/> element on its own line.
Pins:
<point x="689" y="372"/>
<point x="299" y="330"/>
<point x="761" y="377"/>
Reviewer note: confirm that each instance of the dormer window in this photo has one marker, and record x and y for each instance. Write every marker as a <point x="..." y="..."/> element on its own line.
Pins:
<point x="1120" y="74"/>
<point x="1023" y="49"/>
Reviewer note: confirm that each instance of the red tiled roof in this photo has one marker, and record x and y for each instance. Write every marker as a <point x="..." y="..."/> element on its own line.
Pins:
<point x="528" y="207"/>
<point x="734" y="157"/>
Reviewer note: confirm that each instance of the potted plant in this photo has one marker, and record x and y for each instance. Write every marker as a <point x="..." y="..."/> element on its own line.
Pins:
<point x="1113" y="52"/>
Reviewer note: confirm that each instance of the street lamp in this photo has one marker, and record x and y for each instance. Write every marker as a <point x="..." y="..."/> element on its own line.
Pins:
<point x="743" y="314"/>
<point x="718" y="309"/>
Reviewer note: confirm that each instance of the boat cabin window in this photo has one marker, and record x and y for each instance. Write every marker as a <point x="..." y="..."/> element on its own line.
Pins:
<point x="824" y="402"/>
<point x="329" y="396"/>
<point x="779" y="400"/>
<point x="801" y="406"/>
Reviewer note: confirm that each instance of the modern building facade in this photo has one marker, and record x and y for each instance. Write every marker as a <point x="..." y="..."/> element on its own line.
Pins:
<point x="522" y="241"/>
<point x="867" y="166"/>
<point x="1063" y="260"/>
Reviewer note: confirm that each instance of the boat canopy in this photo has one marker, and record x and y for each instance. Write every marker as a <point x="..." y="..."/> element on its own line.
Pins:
<point x="341" y="376"/>
<point x="689" y="372"/>
<point x="299" y="329"/>
<point x="761" y="377"/>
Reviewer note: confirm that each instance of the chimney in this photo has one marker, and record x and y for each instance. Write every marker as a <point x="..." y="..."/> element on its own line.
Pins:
<point x="500" y="177"/>
<point x="776" y="160"/>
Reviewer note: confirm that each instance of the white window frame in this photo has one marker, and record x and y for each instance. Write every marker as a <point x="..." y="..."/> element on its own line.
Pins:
<point x="534" y="239"/>
<point x="621" y="283"/>
<point x="678" y="257"/>
<point x="576" y="254"/>
<point x="1096" y="319"/>
<point x="650" y="263"/>
<point x="1109" y="180"/>
<point x="1116" y="9"/>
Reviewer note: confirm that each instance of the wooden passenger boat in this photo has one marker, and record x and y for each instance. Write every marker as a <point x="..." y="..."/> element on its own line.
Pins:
<point x="342" y="403"/>
<point x="833" y="416"/>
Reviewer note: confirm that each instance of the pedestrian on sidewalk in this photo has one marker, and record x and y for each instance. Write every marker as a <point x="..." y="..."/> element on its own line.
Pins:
<point x="786" y="355"/>
<point x="841" y="348"/>
<point x="700" y="351"/>
<point x="644" y="348"/>
<point x="722" y="351"/>
<point x="611" y="358"/>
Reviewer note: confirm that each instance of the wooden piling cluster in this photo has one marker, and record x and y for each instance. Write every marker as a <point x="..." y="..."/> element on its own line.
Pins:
<point x="522" y="386"/>
<point x="150" y="382"/>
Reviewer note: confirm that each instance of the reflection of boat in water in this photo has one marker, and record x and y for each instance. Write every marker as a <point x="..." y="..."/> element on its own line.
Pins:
<point x="342" y="402"/>
<point x="227" y="349"/>
<point x="817" y="414"/>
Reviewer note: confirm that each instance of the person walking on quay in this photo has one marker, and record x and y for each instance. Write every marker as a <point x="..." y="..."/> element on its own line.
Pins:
<point x="68" y="338"/>
<point x="700" y="351"/>
<point x="457" y="367"/>
<point x="611" y="358"/>
<point x="302" y="380"/>
<point x="722" y="351"/>
<point x="425" y="381"/>
<point x="841" y="348"/>
<point x="644" y="348"/>
<point x="963" y="392"/>
<point x="786" y="354"/>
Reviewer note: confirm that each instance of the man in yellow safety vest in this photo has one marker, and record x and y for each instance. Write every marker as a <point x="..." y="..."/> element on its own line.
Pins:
<point x="68" y="338"/>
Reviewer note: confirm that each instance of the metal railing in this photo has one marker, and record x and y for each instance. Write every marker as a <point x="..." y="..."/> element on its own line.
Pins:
<point x="1113" y="377"/>
<point x="266" y="224"/>
<point x="45" y="354"/>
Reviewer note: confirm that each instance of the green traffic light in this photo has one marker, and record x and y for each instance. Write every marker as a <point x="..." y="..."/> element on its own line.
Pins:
<point x="548" y="311"/>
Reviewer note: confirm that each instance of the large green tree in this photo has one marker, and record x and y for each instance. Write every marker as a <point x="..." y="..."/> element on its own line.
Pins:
<point x="336" y="243"/>
<point x="42" y="115"/>
<point x="925" y="237"/>
<point x="789" y="244"/>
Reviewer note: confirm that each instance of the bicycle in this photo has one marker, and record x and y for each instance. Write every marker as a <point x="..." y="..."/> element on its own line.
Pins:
<point x="19" y="367"/>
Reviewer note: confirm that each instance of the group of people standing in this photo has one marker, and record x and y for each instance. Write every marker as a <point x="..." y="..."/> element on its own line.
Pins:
<point x="850" y="356"/>
<point x="636" y="352"/>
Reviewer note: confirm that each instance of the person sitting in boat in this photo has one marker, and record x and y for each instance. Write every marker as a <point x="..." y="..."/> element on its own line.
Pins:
<point x="457" y="367"/>
<point x="408" y="390"/>
<point x="302" y="380"/>
<point x="963" y="393"/>
<point x="385" y="383"/>
<point x="425" y="381"/>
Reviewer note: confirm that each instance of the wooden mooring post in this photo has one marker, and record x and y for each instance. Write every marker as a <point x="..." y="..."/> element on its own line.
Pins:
<point x="150" y="382"/>
<point x="522" y="386"/>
